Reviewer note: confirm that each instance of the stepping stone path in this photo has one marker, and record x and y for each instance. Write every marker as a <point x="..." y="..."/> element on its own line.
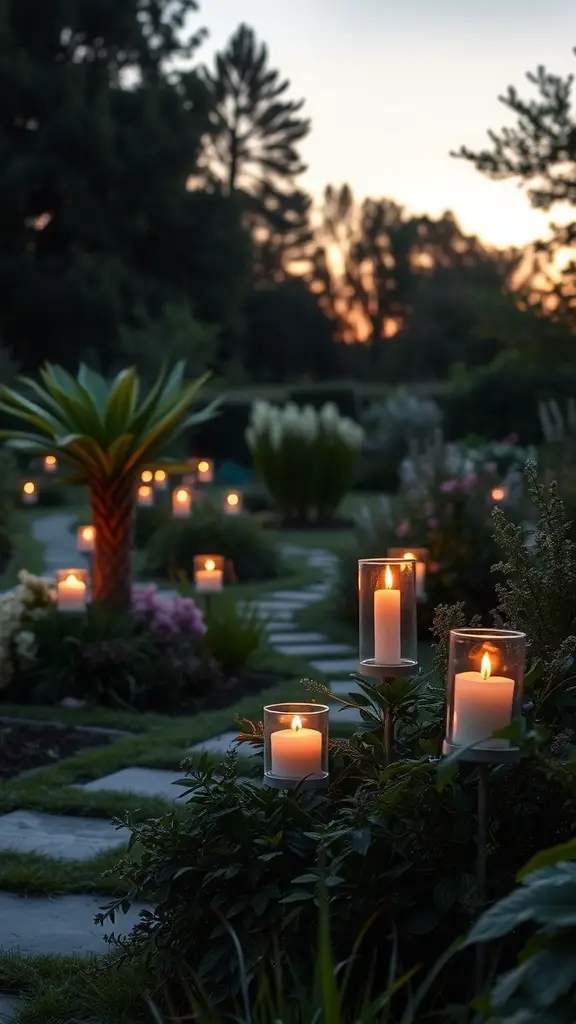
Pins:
<point x="65" y="924"/>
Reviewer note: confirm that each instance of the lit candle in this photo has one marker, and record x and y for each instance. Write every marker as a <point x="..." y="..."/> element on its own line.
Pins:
<point x="85" y="539"/>
<point x="71" y="593"/>
<point x="29" y="493"/>
<point x="482" y="704"/>
<point x="50" y="464"/>
<point x="420" y="573"/>
<point x="145" y="496"/>
<point x="181" y="502"/>
<point x="160" y="480"/>
<point x="146" y="476"/>
<point x="233" y="503"/>
<point x="205" y="471"/>
<point x="387" y="623"/>
<point x="498" y="494"/>
<point x="209" y="579"/>
<point x="296" y="752"/>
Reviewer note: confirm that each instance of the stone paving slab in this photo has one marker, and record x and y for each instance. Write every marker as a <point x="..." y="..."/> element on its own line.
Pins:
<point x="332" y="666"/>
<point x="221" y="745"/>
<point x="295" y="596"/>
<point x="281" y="637"/>
<point x="57" y="835"/>
<point x="280" y="626"/>
<point x="8" y="1007"/>
<point x="62" y="925"/>
<point x="156" y="782"/>
<point x="313" y="649"/>
<point x="53" y="531"/>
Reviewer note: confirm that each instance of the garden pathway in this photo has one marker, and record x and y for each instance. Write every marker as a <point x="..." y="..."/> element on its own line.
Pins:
<point x="65" y="924"/>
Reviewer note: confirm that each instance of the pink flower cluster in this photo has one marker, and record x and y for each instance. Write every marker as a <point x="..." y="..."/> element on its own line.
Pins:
<point x="167" y="616"/>
<point x="465" y="484"/>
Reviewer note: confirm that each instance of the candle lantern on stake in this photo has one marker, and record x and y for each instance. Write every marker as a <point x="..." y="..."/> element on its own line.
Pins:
<point x="50" y="463"/>
<point x="296" y="746"/>
<point x="205" y="471"/>
<point x="86" y="539"/>
<point x="71" y="590"/>
<point x="181" y="502"/>
<point x="145" y="496"/>
<point x="161" y="480"/>
<point x="388" y="640"/>
<point x="499" y="495"/>
<point x="146" y="476"/>
<point x="420" y="557"/>
<point x="208" y="573"/>
<point x="29" y="493"/>
<point x="232" y="503"/>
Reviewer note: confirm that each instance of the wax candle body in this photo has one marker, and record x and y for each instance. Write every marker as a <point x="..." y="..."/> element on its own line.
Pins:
<point x="86" y="539"/>
<point x="50" y="464"/>
<point x="30" y="497"/>
<point x="205" y="471"/>
<point x="145" y="497"/>
<point x="181" y="503"/>
<point x="480" y="707"/>
<point x="71" y="594"/>
<point x="296" y="753"/>
<point x="387" y="627"/>
<point x="208" y="580"/>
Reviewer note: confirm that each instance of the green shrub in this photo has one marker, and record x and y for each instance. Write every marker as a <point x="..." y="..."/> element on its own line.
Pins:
<point x="233" y="633"/>
<point x="8" y="493"/>
<point x="240" y="539"/>
<point x="306" y="460"/>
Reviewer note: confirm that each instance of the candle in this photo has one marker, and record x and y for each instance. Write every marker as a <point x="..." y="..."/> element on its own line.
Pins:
<point x="387" y="623"/>
<point x="181" y="502"/>
<point x="498" y="494"/>
<point x="209" y="579"/>
<point x="233" y="503"/>
<point x="71" y="593"/>
<point x="205" y="470"/>
<point x="146" y="476"/>
<point x="29" y="493"/>
<point x="145" y="496"/>
<point x="85" y="539"/>
<point x="50" y="464"/>
<point x="160" y="480"/>
<point x="296" y="752"/>
<point x="482" y="704"/>
<point x="420" y="573"/>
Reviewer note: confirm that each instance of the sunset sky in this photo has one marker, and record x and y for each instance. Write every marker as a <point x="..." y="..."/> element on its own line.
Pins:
<point x="392" y="85"/>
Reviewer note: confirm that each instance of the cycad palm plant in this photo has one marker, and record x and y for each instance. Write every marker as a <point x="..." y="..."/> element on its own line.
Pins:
<point x="105" y="433"/>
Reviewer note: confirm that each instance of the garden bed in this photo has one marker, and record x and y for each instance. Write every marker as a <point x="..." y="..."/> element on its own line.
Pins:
<point x="27" y="745"/>
<point x="229" y="691"/>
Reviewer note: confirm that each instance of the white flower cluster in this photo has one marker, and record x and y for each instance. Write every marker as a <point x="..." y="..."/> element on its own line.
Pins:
<point x="20" y="607"/>
<point x="306" y="423"/>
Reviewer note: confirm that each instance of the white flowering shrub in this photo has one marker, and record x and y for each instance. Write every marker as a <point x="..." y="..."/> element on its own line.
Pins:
<point x="306" y="458"/>
<point x="20" y="608"/>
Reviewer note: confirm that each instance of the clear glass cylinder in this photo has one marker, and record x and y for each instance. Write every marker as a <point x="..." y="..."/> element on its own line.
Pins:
<point x="205" y="471"/>
<point x="233" y="503"/>
<point x="484" y="691"/>
<point x="145" y="496"/>
<point x="72" y="586"/>
<point x="181" y="502"/>
<point x="420" y="556"/>
<point x="161" y="480"/>
<point x="208" y="573"/>
<point x="296" y="745"/>
<point x="387" y="605"/>
<point x="86" y="539"/>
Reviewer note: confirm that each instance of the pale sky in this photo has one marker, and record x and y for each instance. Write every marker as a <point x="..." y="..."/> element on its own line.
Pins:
<point x="391" y="86"/>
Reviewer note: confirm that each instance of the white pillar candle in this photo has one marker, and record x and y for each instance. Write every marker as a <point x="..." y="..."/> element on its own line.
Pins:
<point x="50" y="464"/>
<point x="86" y="539"/>
<point x="387" y="646"/>
<point x="145" y="496"/>
<point x="208" y="581"/>
<point x="71" y="594"/>
<point x="160" y="480"/>
<point x="181" y="502"/>
<point x="482" y="704"/>
<point x="29" y="493"/>
<point x="233" y="503"/>
<point x="296" y="752"/>
<point x="420" y="574"/>
<point x="205" y="471"/>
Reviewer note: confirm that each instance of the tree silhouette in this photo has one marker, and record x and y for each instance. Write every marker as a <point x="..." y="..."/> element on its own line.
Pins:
<point x="252" y="150"/>
<point x="540" y="153"/>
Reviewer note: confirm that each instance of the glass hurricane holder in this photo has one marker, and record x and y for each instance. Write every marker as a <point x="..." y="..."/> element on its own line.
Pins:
<point x="205" y="471"/>
<point x="387" y="606"/>
<point x="29" y="493"/>
<point x="182" y="502"/>
<point x="296" y="746"/>
<point x="484" y="692"/>
<point x="161" y="480"/>
<point x="420" y="556"/>
<point x="50" y="464"/>
<point x="208" y="573"/>
<point x="145" y="496"/>
<point x="72" y="590"/>
<point x="233" y="503"/>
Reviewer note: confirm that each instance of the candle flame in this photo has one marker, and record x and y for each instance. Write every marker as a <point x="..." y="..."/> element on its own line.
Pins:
<point x="296" y="723"/>
<point x="29" y="488"/>
<point x="146" y="476"/>
<point x="232" y="499"/>
<point x="182" y="496"/>
<point x="203" y="466"/>
<point x="88" y="533"/>
<point x="210" y="564"/>
<point x="409" y="557"/>
<point x="160" y="476"/>
<point x="486" y="666"/>
<point x="50" y="460"/>
<point x="498" y="494"/>
<point x="73" y="582"/>
<point x="388" y="578"/>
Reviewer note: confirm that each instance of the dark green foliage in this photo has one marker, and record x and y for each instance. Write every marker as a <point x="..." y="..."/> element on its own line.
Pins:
<point x="8" y="494"/>
<point x="344" y="398"/>
<point x="250" y="551"/>
<point x="233" y="634"/>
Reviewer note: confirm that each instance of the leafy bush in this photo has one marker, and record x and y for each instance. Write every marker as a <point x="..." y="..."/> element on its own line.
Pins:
<point x="8" y="492"/>
<point x="240" y="539"/>
<point x="21" y="610"/>
<point x="233" y="633"/>
<point x="306" y="459"/>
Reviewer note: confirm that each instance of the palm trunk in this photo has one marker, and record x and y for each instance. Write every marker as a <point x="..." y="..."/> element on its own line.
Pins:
<point x="112" y="516"/>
